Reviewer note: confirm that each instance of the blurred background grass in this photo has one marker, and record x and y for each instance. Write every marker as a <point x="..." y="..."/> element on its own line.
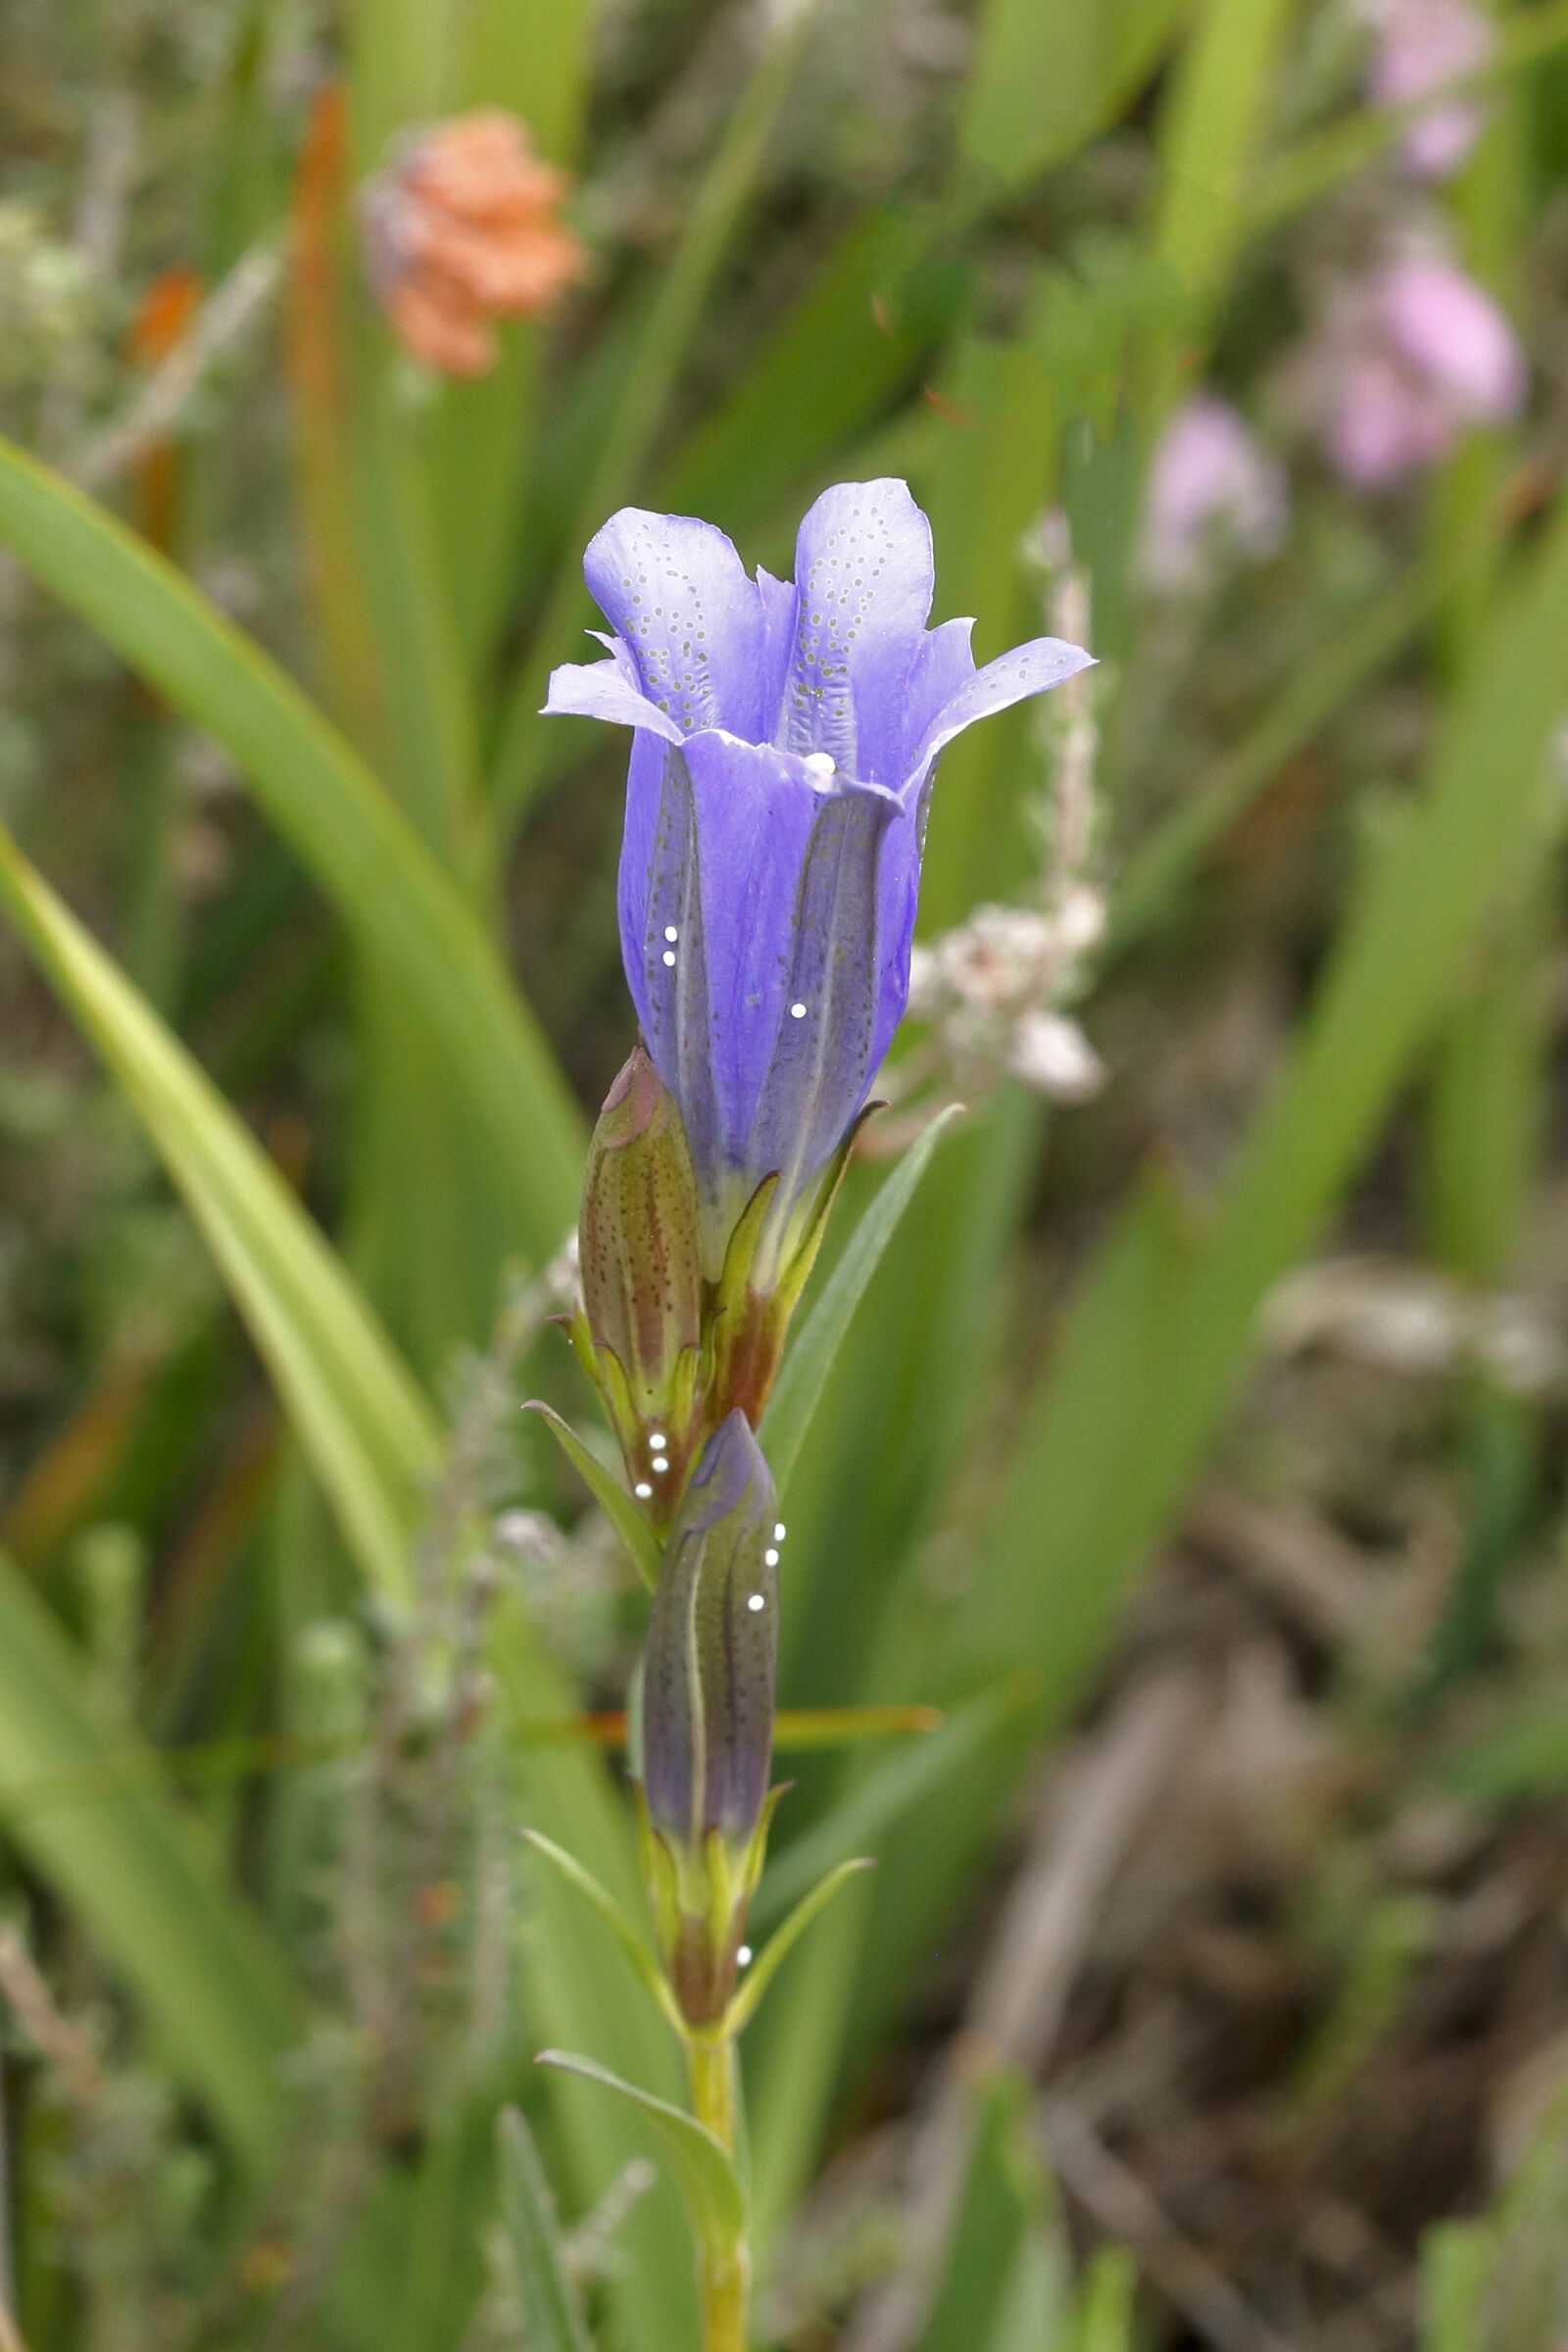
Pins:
<point x="1197" y="1447"/>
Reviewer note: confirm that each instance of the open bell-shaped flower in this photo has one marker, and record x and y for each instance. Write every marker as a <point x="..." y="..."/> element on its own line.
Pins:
<point x="785" y="738"/>
<point x="709" y="1673"/>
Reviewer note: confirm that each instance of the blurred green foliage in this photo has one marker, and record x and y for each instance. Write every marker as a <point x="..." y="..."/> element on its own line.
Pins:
<point x="274" y="648"/>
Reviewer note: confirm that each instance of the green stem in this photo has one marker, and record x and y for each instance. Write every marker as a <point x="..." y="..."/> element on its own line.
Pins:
<point x="724" y="2270"/>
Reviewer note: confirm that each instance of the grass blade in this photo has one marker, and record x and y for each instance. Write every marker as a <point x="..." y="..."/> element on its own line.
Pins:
<point x="809" y="1362"/>
<point x="211" y="1985"/>
<point x="652" y="370"/>
<point x="364" y="856"/>
<point x="365" y="1427"/>
<point x="550" y="2309"/>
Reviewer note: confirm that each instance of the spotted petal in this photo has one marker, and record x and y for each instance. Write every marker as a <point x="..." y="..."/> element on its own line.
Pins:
<point x="675" y="593"/>
<point x="863" y="578"/>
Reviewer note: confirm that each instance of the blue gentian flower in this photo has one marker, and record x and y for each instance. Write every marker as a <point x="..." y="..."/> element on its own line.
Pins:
<point x="785" y="739"/>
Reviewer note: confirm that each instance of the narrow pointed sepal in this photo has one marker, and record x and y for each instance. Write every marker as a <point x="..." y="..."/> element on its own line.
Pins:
<point x="761" y="1288"/>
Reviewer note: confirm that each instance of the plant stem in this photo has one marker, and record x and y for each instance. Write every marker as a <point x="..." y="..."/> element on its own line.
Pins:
<point x="724" y="2270"/>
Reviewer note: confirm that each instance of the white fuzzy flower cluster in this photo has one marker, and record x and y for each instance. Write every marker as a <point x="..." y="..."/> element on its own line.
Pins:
<point x="993" y="990"/>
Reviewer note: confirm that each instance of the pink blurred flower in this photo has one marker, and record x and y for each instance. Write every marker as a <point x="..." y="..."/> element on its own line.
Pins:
<point x="1212" y="487"/>
<point x="1407" y="362"/>
<point x="1422" y="45"/>
<point x="462" y="228"/>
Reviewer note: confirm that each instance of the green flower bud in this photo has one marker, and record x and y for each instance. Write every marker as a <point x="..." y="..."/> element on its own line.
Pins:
<point x="707" y="1717"/>
<point x="640" y="1331"/>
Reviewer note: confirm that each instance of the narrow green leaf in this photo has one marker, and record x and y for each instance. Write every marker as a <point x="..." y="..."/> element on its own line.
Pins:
<point x="367" y="1429"/>
<point x="550" y="2309"/>
<point x="1458" y="2260"/>
<point x="1003" y="2203"/>
<point x="636" y="1534"/>
<point x="1106" y="2302"/>
<point x="362" y="853"/>
<point x="634" y="1946"/>
<point x="709" y="2180"/>
<point x="771" y="1958"/>
<point x="1043" y="80"/>
<point x="879" y="301"/>
<point x="84" y="1803"/>
<point x="810" y="1359"/>
<point x="1214" y="123"/>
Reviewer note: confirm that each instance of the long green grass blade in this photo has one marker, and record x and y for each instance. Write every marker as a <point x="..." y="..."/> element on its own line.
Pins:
<point x="84" y="1806"/>
<point x="368" y="1430"/>
<point x="379" y="876"/>
<point x="810" y="1359"/>
<point x="549" y="2300"/>
<point x="652" y="370"/>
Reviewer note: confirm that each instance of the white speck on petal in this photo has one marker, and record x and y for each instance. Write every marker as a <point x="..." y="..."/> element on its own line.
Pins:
<point x="758" y="1601"/>
<point x="824" y="767"/>
<point x="744" y="1956"/>
<point x="642" y="1490"/>
<point x="780" y="1531"/>
<point x="797" y="1013"/>
<point x="656" y="1440"/>
<point x="671" y="933"/>
<point x="770" y="1557"/>
<point x="660" y="1464"/>
<point x="669" y="958"/>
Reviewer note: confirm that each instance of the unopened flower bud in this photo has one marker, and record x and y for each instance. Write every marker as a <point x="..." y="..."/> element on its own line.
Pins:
<point x="642" y="1285"/>
<point x="708" y="1716"/>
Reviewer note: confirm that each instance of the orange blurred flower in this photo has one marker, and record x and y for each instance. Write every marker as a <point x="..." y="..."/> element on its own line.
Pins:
<point x="462" y="229"/>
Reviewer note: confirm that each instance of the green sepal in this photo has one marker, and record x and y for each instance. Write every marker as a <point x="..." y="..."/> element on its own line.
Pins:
<point x="633" y="1944"/>
<point x="757" y="1295"/>
<point x="634" y="1530"/>
<point x="813" y="1224"/>
<point x="743" y="2007"/>
<point x="700" y="1895"/>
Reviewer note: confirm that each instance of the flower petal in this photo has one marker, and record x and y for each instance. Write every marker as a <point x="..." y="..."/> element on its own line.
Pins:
<point x="1031" y="668"/>
<point x="603" y="690"/>
<point x="863" y="577"/>
<point x="663" y="947"/>
<point x="789" y="887"/>
<point x="943" y="666"/>
<point x="675" y="591"/>
<point x="778" y="637"/>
